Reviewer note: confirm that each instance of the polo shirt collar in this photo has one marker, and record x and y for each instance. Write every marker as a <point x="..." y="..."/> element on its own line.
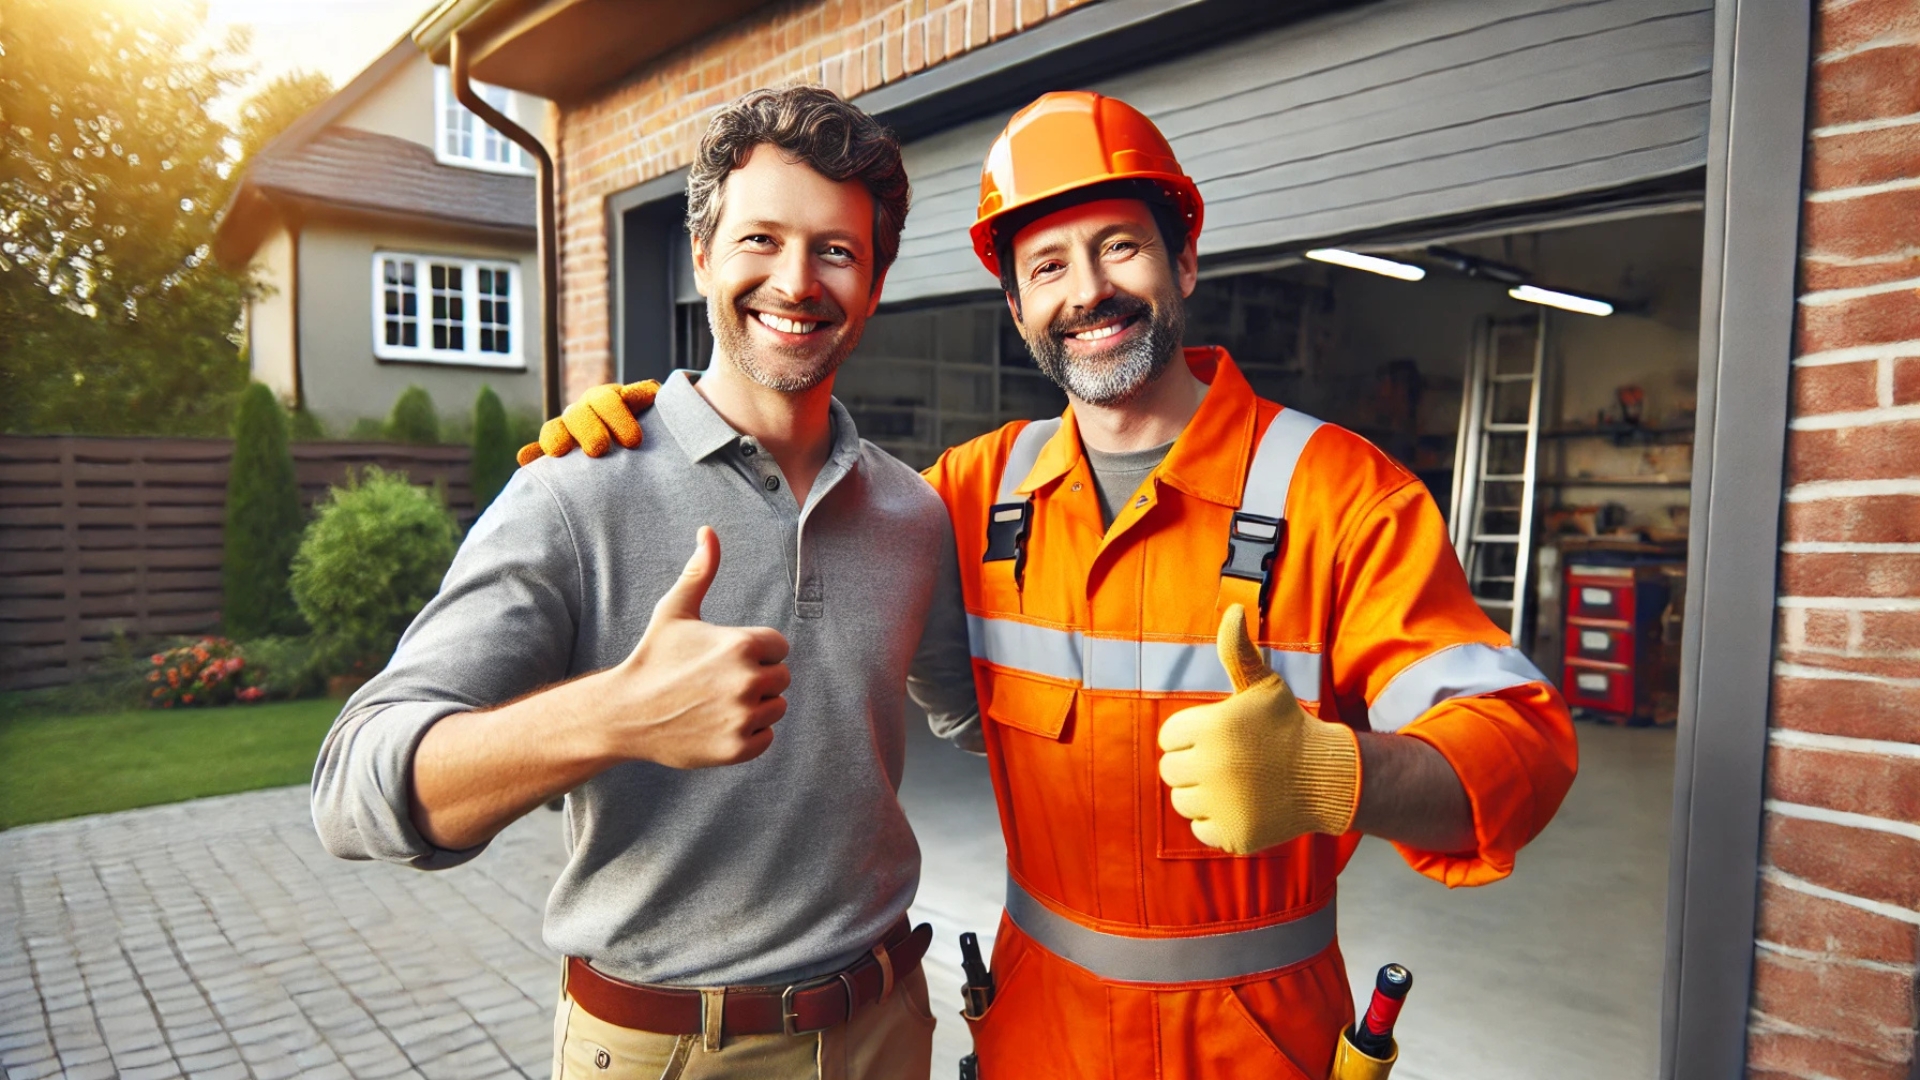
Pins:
<point x="702" y="432"/>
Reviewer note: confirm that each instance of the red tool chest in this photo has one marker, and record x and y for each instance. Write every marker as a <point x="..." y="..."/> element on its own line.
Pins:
<point x="1615" y="662"/>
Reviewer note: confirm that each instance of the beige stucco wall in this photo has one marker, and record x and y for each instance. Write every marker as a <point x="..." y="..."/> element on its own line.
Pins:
<point x="343" y="380"/>
<point x="270" y="315"/>
<point x="403" y="107"/>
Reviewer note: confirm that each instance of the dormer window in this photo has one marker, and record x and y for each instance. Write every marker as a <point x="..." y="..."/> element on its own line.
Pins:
<point x="461" y="138"/>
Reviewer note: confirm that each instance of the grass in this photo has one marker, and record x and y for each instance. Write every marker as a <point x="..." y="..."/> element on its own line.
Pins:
<point x="55" y="767"/>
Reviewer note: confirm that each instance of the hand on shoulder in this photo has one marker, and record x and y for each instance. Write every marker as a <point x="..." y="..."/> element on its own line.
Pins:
<point x="604" y="415"/>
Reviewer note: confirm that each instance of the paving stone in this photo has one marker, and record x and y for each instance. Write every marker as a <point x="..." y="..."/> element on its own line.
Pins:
<point x="165" y="1070"/>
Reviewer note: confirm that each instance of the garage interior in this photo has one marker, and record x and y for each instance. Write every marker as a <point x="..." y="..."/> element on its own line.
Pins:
<point x="1557" y="970"/>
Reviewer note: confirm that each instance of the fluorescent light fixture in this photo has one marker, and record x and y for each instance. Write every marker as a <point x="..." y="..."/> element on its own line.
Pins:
<point x="1585" y="305"/>
<point x="1373" y="264"/>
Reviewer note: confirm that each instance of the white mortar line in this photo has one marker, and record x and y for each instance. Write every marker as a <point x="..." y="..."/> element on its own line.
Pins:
<point x="1842" y="817"/>
<point x="1788" y="670"/>
<point x="1905" y="183"/>
<point x="1843" y="744"/>
<point x="1801" y="885"/>
<point x="1848" y="547"/>
<point x="1886" y="350"/>
<point x="1828" y="958"/>
<point x="1840" y="296"/>
<point x="1863" y="418"/>
<point x="1853" y="603"/>
<point x="1816" y="490"/>
<point x="1855" y="126"/>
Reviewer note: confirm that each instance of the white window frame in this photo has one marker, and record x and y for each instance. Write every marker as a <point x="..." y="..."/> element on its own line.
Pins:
<point x="447" y="108"/>
<point x="470" y="355"/>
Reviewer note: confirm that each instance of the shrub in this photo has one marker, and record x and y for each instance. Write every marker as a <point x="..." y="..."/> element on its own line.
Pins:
<point x="370" y="561"/>
<point x="263" y="521"/>
<point x="305" y="427"/>
<point x="413" y="419"/>
<point x="493" y="449"/>
<point x="209" y="671"/>
<point x="284" y="667"/>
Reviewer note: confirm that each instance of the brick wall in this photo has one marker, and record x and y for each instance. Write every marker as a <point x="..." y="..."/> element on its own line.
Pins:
<point x="649" y="124"/>
<point x="1839" y="919"/>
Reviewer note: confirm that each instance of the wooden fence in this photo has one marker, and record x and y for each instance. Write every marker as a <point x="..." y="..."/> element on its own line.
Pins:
<point x="107" y="536"/>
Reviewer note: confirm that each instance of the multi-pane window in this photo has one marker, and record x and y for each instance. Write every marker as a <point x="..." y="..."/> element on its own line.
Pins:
<point x="464" y="139"/>
<point x="450" y="310"/>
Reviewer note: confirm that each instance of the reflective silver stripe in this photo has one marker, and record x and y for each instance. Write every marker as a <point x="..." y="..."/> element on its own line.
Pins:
<point x="1457" y="671"/>
<point x="1100" y="663"/>
<point x="1198" y="958"/>
<point x="1271" y="474"/>
<point x="1020" y="460"/>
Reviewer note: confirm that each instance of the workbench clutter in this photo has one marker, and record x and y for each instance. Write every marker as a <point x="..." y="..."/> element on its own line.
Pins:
<point x="1622" y="634"/>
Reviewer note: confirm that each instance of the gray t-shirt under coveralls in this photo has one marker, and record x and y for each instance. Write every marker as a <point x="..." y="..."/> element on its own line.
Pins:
<point x="774" y="870"/>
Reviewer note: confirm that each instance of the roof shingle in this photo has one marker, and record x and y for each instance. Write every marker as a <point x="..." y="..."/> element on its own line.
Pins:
<point x="349" y="167"/>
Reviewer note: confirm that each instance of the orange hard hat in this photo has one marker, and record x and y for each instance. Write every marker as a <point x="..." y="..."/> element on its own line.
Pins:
<point x="1074" y="139"/>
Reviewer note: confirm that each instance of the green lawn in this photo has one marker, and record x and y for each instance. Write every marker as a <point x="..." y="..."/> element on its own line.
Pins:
<point x="63" y="766"/>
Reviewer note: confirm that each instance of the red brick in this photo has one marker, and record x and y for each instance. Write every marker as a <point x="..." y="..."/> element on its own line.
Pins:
<point x="1870" y="452"/>
<point x="1883" y="223"/>
<point x="1867" y="519"/>
<point x="1803" y="1056"/>
<point x="1826" y="388"/>
<point x="1881" y="667"/>
<point x="1827" y="629"/>
<point x="1858" y="158"/>
<point x="1862" y="320"/>
<point x="1871" y="784"/>
<point x="1890" y="632"/>
<point x="1817" y="274"/>
<point x="1850" y="24"/>
<point x="1870" y="1010"/>
<point x="1817" y="925"/>
<point x="1857" y="708"/>
<point x="1906" y="380"/>
<point x="1867" y="85"/>
<point x="1850" y="574"/>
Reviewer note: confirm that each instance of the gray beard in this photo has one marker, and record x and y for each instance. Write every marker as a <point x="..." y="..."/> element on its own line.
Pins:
<point x="736" y="342"/>
<point x="1120" y="376"/>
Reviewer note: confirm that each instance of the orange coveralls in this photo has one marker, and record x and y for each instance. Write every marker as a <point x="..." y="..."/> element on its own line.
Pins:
<point x="1371" y="622"/>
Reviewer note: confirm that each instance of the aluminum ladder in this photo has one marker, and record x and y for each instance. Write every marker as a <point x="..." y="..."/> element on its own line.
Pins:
<point x="1496" y="466"/>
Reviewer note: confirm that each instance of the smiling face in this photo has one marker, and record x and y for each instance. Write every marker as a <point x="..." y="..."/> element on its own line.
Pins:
<point x="1100" y="298"/>
<point x="788" y="275"/>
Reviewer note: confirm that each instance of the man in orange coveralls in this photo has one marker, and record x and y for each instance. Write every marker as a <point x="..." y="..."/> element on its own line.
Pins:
<point x="1217" y="641"/>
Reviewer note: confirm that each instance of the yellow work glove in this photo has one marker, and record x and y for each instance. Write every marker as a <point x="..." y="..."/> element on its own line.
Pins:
<point x="1255" y="770"/>
<point x="603" y="415"/>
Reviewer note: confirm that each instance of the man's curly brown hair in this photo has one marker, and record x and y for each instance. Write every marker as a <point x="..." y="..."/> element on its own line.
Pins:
<point x="811" y="125"/>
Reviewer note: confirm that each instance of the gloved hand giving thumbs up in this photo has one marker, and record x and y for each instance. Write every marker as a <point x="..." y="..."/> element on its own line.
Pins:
<point x="691" y="694"/>
<point x="1255" y="770"/>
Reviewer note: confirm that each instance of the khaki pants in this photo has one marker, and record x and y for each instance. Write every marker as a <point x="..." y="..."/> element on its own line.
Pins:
<point x="888" y="1040"/>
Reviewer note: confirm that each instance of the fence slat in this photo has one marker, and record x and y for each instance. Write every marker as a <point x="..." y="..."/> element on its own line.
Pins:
<point x="123" y="535"/>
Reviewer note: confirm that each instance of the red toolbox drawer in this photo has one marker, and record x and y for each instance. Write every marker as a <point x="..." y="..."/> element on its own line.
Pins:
<point x="1607" y="689"/>
<point x="1601" y="593"/>
<point x="1610" y="643"/>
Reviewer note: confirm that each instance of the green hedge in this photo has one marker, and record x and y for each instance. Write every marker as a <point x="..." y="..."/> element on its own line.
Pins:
<point x="263" y="521"/>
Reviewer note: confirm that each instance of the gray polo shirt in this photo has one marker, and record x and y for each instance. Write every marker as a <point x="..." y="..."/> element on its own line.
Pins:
<point x="780" y="868"/>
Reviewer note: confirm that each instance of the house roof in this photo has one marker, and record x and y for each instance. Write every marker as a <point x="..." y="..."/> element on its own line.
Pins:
<point x="317" y="164"/>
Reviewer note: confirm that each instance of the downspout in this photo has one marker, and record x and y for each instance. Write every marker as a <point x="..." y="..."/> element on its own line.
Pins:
<point x="293" y="286"/>
<point x="548" y="251"/>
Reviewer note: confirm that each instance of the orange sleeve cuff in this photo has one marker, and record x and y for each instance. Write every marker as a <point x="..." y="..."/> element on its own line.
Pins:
<point x="1515" y="754"/>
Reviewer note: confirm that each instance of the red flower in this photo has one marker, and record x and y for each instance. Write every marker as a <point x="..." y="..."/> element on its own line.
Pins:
<point x="159" y="659"/>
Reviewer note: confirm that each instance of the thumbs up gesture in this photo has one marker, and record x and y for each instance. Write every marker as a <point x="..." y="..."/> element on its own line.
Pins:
<point x="1255" y="770"/>
<point x="693" y="695"/>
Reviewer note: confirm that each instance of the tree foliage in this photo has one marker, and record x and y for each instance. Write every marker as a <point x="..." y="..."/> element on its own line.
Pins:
<point x="413" y="419"/>
<point x="372" y="558"/>
<point x="493" y="449"/>
<point x="263" y="521"/>
<point x="114" y="317"/>
<point x="274" y="107"/>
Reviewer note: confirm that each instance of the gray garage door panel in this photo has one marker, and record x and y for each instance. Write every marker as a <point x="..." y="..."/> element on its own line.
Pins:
<point x="1391" y="113"/>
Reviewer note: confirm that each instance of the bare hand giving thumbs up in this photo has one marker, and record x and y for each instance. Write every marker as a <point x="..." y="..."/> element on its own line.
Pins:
<point x="693" y="695"/>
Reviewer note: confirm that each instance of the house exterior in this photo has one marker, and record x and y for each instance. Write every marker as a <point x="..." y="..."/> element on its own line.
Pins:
<point x="394" y="235"/>
<point x="1783" y="134"/>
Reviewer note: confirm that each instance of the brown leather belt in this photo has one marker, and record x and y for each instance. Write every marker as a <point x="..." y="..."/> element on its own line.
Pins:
<point x="797" y="1009"/>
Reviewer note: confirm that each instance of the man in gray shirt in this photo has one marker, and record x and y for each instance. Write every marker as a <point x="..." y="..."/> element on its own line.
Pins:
<point x="740" y="869"/>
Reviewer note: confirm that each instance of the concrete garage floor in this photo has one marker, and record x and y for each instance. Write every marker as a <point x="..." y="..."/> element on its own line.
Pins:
<point x="1553" y="972"/>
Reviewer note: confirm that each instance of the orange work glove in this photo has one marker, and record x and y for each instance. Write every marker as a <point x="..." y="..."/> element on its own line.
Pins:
<point x="603" y="415"/>
<point x="1256" y="770"/>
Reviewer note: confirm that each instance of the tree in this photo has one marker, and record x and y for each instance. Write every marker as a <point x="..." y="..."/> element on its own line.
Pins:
<point x="493" y="449"/>
<point x="274" y="107"/>
<point x="413" y="419"/>
<point x="263" y="521"/>
<point x="114" y="318"/>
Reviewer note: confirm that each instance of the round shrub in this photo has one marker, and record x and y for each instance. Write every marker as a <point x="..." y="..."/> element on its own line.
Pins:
<point x="413" y="419"/>
<point x="372" y="558"/>
<point x="493" y="449"/>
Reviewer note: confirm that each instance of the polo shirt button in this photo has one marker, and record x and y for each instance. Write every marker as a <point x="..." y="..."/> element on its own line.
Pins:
<point x="773" y="483"/>
<point x="748" y="449"/>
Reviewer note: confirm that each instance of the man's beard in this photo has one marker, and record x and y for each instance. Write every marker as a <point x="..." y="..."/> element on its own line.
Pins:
<point x="777" y="367"/>
<point x="1117" y="375"/>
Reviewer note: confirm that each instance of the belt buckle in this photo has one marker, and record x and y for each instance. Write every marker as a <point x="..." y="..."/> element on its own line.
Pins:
<point x="789" y="1018"/>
